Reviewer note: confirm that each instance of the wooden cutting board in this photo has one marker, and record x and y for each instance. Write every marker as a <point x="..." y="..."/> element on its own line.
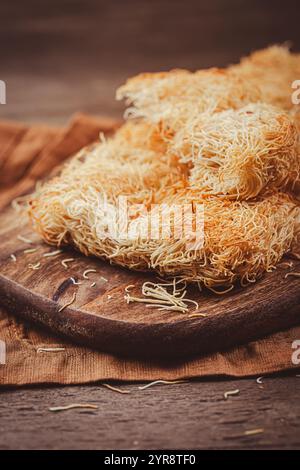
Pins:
<point x="101" y="318"/>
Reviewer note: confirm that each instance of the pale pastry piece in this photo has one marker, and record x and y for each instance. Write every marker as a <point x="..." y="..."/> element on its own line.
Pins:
<point x="240" y="152"/>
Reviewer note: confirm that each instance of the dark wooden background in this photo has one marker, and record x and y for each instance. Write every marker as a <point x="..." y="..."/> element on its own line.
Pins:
<point x="58" y="57"/>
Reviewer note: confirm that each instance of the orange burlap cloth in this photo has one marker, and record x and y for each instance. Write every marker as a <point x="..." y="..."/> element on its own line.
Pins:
<point x="28" y="153"/>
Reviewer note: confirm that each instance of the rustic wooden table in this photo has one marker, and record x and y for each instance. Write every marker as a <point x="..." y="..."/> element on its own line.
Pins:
<point x="184" y="416"/>
<point x="66" y="56"/>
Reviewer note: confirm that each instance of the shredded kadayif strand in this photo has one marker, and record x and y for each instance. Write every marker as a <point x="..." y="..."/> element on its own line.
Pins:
<point x="185" y="107"/>
<point x="206" y="138"/>
<point x="242" y="239"/>
<point x="258" y="148"/>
